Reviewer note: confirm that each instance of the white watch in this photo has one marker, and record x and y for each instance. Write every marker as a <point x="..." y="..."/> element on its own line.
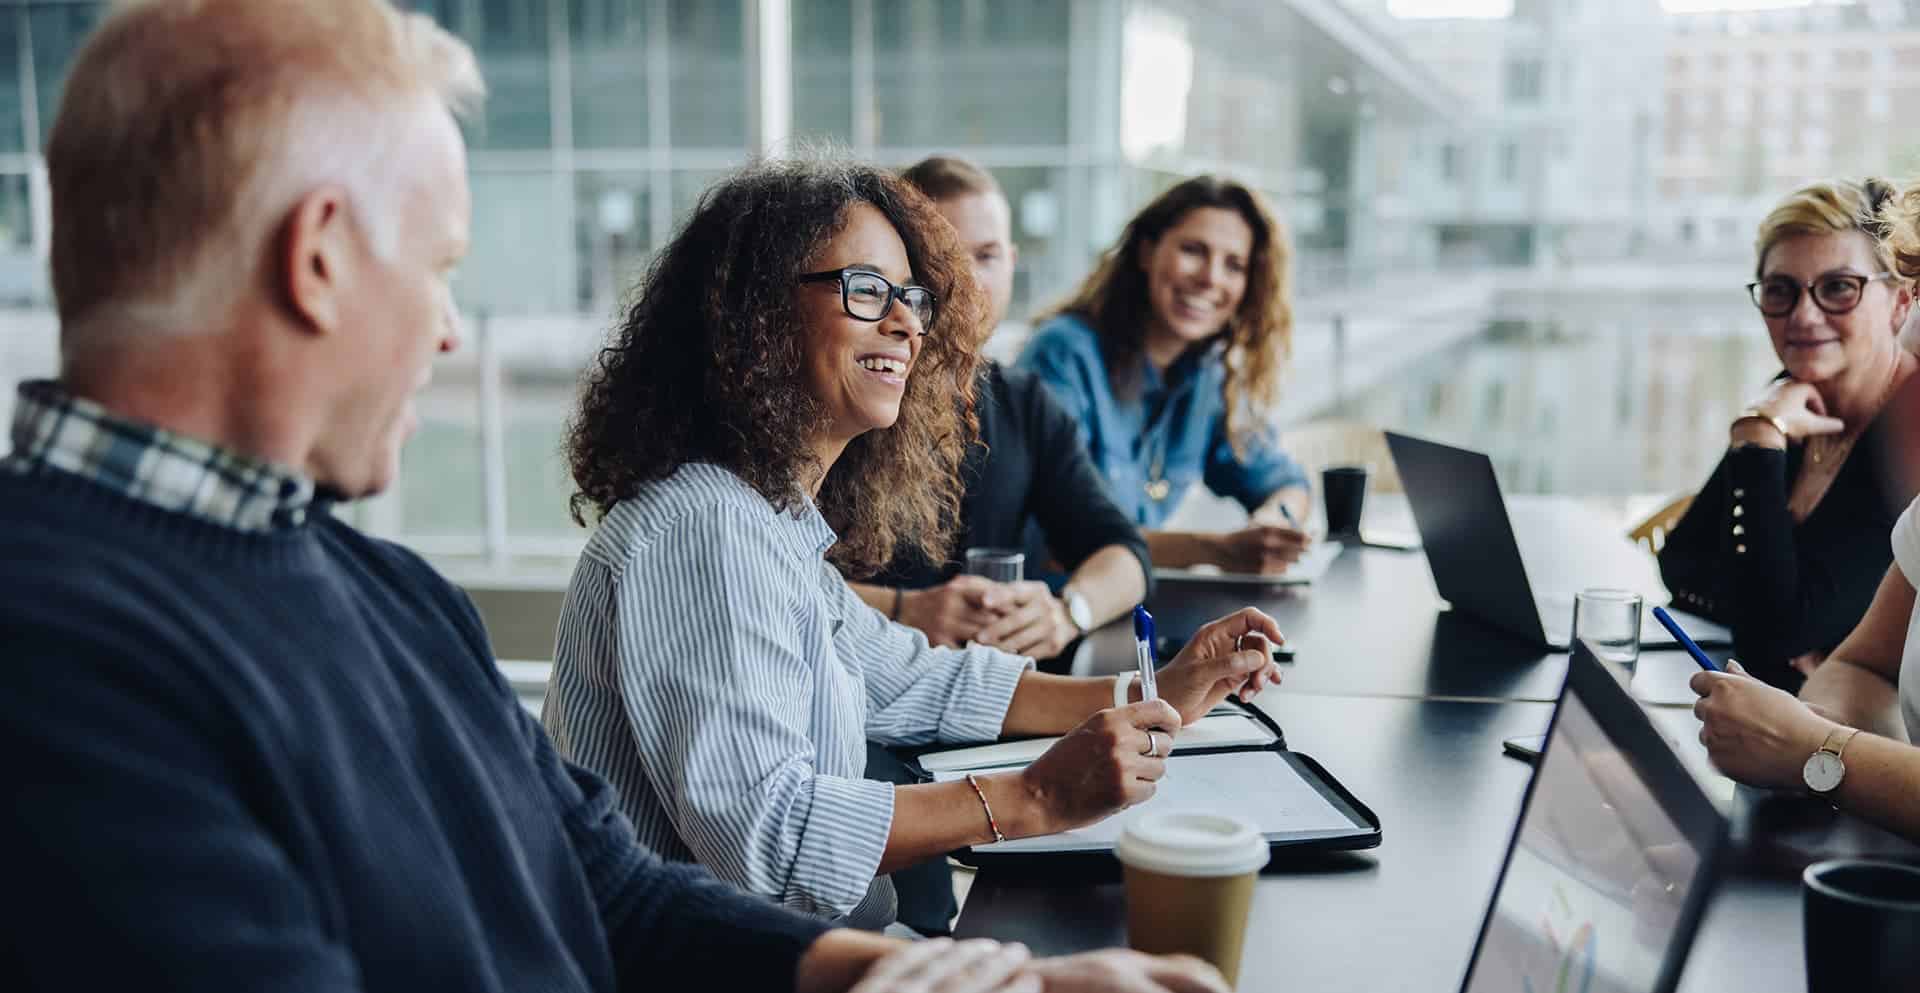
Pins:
<point x="1123" y="688"/>
<point x="1078" y="610"/>
<point x="1824" y="769"/>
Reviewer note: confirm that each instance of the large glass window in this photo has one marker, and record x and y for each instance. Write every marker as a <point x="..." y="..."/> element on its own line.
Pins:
<point x="510" y="39"/>
<point x="611" y="211"/>
<point x="12" y="122"/>
<point x="983" y="72"/>
<point x="519" y="262"/>
<point x="609" y="51"/>
<point x="709" y="89"/>
<point x="57" y="30"/>
<point x="823" y="69"/>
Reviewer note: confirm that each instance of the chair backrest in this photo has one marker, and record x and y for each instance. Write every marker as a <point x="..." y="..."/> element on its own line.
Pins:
<point x="1651" y="534"/>
<point x="1318" y="444"/>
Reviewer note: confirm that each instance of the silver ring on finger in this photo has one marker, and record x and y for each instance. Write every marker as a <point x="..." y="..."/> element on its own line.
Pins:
<point x="1153" y="744"/>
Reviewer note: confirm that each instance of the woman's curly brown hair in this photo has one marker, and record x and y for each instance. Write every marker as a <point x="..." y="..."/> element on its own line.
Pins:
<point x="706" y="366"/>
<point x="1259" y="336"/>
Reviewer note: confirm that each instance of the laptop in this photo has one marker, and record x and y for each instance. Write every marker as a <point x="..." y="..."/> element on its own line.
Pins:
<point x="1611" y="862"/>
<point x="1476" y="561"/>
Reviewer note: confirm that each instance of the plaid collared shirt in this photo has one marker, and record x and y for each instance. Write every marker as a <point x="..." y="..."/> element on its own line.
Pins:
<point x="56" y="430"/>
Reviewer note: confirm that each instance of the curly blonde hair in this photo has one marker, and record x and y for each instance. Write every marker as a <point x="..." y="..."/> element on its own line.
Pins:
<point x="1259" y="335"/>
<point x="707" y="366"/>
<point x="1900" y="215"/>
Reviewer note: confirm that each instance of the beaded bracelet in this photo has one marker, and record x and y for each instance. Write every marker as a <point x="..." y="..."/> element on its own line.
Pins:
<point x="982" y="794"/>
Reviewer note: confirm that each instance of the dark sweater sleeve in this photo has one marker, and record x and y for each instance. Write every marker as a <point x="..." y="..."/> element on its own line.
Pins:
<point x="1737" y="557"/>
<point x="1070" y="499"/>
<point x="130" y="853"/>
<point x="669" y="924"/>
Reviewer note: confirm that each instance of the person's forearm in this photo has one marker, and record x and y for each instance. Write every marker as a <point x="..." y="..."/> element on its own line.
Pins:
<point x="1298" y="501"/>
<point x="1180" y="549"/>
<point x="1112" y="582"/>
<point x="1882" y="784"/>
<point x="880" y="598"/>
<point x="933" y="819"/>
<point x="837" y="960"/>
<point x="1857" y="697"/>
<point x="1044" y="703"/>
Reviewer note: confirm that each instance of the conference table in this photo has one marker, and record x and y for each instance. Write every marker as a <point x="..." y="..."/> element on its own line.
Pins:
<point x="1407" y="704"/>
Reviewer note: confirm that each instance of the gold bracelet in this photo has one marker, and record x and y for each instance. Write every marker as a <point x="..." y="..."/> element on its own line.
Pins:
<point x="1756" y="414"/>
<point x="992" y="824"/>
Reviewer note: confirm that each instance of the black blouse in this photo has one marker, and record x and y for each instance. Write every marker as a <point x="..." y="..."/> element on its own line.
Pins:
<point x="1785" y="589"/>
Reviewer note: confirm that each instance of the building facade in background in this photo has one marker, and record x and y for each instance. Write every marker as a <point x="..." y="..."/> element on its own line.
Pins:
<point x="608" y="118"/>
<point x="1761" y="102"/>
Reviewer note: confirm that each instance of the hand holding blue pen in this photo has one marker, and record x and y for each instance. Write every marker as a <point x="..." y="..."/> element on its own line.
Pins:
<point x="1673" y="628"/>
<point x="1143" y="652"/>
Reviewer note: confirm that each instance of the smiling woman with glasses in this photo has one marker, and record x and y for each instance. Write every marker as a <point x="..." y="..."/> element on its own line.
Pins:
<point x="1787" y="541"/>
<point x="810" y="408"/>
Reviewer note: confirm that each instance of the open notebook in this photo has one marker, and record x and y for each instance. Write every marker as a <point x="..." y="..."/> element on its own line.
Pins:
<point x="1311" y="566"/>
<point x="1227" y="726"/>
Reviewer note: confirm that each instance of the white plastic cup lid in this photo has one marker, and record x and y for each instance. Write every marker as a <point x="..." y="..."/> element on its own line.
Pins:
<point x="1192" y="843"/>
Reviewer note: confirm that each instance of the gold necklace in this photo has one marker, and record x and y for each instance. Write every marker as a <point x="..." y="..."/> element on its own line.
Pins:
<point x="1842" y="444"/>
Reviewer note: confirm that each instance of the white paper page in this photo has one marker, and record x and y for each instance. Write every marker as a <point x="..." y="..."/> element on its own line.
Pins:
<point x="1259" y="786"/>
<point x="1311" y="566"/>
<point x="1212" y="731"/>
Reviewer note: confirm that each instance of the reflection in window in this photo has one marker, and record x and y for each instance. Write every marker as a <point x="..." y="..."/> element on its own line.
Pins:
<point x="440" y="486"/>
<point x="610" y="232"/>
<point x="709" y="89"/>
<point x="510" y="39"/>
<point x="12" y="125"/>
<point x="23" y="280"/>
<point x="823" y="69"/>
<point x="538" y="480"/>
<point x="958" y="74"/>
<point x="609" y="72"/>
<point x="57" y="33"/>
<point x="518" y="262"/>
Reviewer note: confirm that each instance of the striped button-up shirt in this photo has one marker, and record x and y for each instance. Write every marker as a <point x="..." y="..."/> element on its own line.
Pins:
<point x="722" y="674"/>
<point x="55" y="429"/>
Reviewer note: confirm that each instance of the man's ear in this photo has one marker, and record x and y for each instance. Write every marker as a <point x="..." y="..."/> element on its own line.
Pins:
<point x="315" y="259"/>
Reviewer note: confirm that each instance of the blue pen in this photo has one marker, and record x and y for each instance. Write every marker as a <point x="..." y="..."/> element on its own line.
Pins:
<point x="1673" y="627"/>
<point x="1143" y="651"/>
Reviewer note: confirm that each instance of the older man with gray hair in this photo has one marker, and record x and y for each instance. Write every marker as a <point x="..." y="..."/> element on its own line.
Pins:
<point x="244" y="746"/>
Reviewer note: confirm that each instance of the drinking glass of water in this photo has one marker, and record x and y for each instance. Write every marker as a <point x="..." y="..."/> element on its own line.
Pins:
<point x="1609" y="620"/>
<point x="1002" y="565"/>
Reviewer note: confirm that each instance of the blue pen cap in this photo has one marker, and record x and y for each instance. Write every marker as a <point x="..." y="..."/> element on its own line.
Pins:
<point x="1142" y="624"/>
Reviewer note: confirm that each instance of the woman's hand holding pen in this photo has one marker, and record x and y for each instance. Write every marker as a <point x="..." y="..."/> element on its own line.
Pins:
<point x="1111" y="761"/>
<point x="1215" y="663"/>
<point x="1260" y="548"/>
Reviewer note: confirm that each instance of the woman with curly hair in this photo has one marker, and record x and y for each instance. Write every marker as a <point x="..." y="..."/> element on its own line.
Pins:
<point x="792" y="385"/>
<point x="1170" y="355"/>
<point x="1847" y="737"/>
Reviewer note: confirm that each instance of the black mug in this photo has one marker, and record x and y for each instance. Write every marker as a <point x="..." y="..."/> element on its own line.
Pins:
<point x="1345" y="489"/>
<point x="1863" y="925"/>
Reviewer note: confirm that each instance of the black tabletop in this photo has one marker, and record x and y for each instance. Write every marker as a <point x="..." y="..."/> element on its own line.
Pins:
<point x="1407" y="704"/>
<point x="1402" y="916"/>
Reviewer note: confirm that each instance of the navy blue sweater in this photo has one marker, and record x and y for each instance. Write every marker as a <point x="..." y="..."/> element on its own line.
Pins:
<point x="286" y="762"/>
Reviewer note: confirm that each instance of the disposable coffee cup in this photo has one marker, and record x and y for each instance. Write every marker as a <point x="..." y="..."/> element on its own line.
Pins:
<point x="1344" y="488"/>
<point x="1189" y="880"/>
<point x="1862" y="926"/>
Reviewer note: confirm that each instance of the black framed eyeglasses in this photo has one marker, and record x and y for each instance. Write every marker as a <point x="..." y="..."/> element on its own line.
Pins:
<point x="1836" y="292"/>
<point x="868" y="296"/>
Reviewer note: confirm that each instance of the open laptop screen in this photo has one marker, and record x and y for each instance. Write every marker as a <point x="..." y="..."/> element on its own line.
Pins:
<point x="1595" y="893"/>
